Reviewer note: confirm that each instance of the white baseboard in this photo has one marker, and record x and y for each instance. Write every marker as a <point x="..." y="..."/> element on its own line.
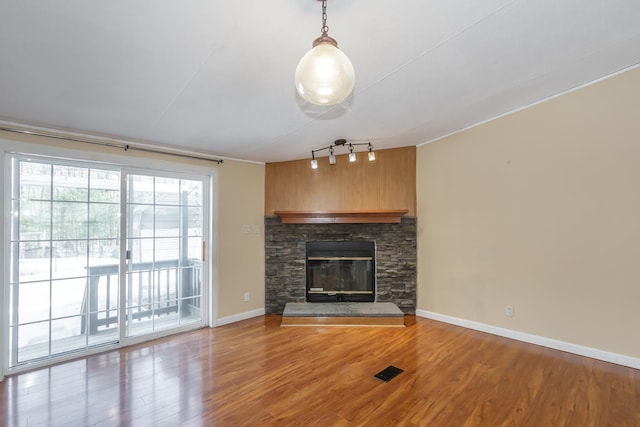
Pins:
<point x="238" y="317"/>
<point x="594" y="353"/>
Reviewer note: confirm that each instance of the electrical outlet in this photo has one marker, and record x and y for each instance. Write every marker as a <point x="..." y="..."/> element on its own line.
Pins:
<point x="508" y="310"/>
<point x="246" y="296"/>
<point x="246" y="228"/>
<point x="257" y="229"/>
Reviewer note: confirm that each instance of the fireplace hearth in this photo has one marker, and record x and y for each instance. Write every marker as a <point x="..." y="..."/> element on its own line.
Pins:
<point x="285" y="259"/>
<point x="342" y="271"/>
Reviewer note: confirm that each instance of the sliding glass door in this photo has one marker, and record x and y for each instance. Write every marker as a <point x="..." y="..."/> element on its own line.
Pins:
<point x="164" y="253"/>
<point x="99" y="254"/>
<point x="65" y="223"/>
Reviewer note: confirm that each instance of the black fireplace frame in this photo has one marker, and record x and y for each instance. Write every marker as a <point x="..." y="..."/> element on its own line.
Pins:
<point x="348" y="250"/>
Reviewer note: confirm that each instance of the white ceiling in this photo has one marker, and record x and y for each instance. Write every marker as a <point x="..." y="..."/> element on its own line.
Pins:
<point x="217" y="76"/>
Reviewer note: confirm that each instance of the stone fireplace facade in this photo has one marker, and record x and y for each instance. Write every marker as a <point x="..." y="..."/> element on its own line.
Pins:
<point x="285" y="264"/>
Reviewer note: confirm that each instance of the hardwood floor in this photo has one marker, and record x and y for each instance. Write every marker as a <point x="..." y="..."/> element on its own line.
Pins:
<point x="256" y="373"/>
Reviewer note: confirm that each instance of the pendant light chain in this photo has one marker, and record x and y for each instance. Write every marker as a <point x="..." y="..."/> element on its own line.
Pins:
<point x="324" y="28"/>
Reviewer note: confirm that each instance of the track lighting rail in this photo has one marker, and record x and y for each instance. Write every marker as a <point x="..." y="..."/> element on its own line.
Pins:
<point x="341" y="143"/>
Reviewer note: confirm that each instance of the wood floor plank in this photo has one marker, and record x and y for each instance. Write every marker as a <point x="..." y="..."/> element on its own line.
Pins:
<point x="256" y="373"/>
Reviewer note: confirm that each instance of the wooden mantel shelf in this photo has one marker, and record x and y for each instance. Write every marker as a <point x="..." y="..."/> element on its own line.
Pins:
<point x="342" y="217"/>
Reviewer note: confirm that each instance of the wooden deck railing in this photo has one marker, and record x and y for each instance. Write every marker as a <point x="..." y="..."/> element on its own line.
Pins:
<point x="145" y="280"/>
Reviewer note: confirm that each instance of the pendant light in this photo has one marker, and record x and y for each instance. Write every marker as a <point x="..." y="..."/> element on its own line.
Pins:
<point x="324" y="75"/>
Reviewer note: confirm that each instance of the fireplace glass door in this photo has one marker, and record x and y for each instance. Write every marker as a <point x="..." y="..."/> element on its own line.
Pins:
<point x="340" y="271"/>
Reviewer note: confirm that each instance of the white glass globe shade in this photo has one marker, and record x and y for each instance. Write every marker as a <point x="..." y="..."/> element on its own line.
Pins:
<point x="324" y="75"/>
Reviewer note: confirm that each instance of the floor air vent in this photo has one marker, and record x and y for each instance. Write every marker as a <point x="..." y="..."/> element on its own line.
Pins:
<point x="388" y="373"/>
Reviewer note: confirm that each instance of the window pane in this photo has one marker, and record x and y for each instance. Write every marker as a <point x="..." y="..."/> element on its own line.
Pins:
<point x="141" y="189"/>
<point x="104" y="252"/>
<point x="105" y="186"/>
<point x="190" y="280"/>
<point x="167" y="249"/>
<point x="66" y="335"/>
<point x="195" y="221"/>
<point x="68" y="259"/>
<point x="194" y="248"/>
<point x="140" y="289"/>
<point x="35" y="220"/>
<point x="193" y="189"/>
<point x="104" y="220"/>
<point x="141" y="250"/>
<point x="167" y="221"/>
<point x="70" y="183"/>
<point x="33" y="261"/>
<point x="102" y="293"/>
<point x="190" y="310"/>
<point x="33" y="304"/>
<point x="73" y="249"/>
<point x="36" y="190"/>
<point x="167" y="191"/>
<point x="63" y="249"/>
<point x="67" y="297"/>
<point x="33" y="341"/>
<point x="165" y="315"/>
<point x="140" y="219"/>
<point x="138" y="325"/>
<point x="106" y="333"/>
<point x="165" y="282"/>
<point x="70" y="220"/>
<point x="35" y="181"/>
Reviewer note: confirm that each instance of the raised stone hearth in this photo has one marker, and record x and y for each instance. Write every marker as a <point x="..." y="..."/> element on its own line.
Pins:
<point x="342" y="314"/>
<point x="285" y="252"/>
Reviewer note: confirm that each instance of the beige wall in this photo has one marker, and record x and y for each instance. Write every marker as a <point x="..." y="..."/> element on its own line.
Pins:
<point x="539" y="209"/>
<point x="240" y="256"/>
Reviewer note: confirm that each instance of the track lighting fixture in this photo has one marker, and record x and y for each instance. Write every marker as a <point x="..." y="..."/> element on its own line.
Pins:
<point x="342" y="143"/>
